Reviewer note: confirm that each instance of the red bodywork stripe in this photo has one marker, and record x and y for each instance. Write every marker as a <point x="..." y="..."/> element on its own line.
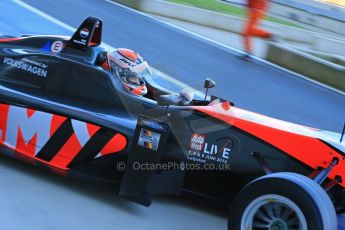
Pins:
<point x="10" y="39"/>
<point x="115" y="145"/>
<point x="3" y="121"/>
<point x="70" y="149"/>
<point x="311" y="151"/>
<point x="67" y="153"/>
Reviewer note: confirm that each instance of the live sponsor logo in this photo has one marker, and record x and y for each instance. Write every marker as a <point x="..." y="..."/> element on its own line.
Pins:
<point x="197" y="141"/>
<point x="200" y="150"/>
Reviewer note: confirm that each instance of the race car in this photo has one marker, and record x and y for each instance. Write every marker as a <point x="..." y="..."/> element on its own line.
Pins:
<point x="59" y="109"/>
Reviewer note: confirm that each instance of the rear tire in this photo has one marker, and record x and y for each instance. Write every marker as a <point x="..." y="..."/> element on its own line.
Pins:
<point x="282" y="201"/>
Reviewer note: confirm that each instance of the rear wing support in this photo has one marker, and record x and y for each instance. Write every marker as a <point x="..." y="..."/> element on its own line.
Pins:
<point x="88" y="34"/>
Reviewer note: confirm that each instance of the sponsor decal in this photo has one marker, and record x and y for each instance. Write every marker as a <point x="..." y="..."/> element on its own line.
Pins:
<point x="33" y="67"/>
<point x="140" y="68"/>
<point x="149" y="139"/>
<point x="82" y="42"/>
<point x="24" y="130"/>
<point x="151" y="124"/>
<point x="84" y="33"/>
<point x="57" y="47"/>
<point x="129" y="63"/>
<point x="203" y="151"/>
<point x="53" y="138"/>
<point x="197" y="142"/>
<point x="44" y="66"/>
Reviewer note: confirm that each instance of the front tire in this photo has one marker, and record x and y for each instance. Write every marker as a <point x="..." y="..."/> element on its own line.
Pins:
<point x="282" y="201"/>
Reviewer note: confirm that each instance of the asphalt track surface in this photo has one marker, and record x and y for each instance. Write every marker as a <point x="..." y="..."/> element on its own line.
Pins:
<point x="253" y="86"/>
<point x="34" y="199"/>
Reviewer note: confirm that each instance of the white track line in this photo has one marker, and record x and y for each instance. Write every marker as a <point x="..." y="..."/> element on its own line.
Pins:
<point x="72" y="29"/>
<point x="44" y="15"/>
<point x="166" y="77"/>
<point x="226" y="47"/>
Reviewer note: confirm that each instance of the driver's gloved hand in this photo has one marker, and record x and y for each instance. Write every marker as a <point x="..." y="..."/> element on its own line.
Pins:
<point x="185" y="97"/>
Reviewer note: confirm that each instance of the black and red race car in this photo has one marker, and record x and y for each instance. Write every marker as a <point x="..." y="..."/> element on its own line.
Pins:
<point x="59" y="109"/>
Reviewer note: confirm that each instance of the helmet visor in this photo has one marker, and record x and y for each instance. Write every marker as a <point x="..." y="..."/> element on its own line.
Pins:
<point x="142" y="70"/>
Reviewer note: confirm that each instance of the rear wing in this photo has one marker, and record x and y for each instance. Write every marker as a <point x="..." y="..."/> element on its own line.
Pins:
<point x="88" y="34"/>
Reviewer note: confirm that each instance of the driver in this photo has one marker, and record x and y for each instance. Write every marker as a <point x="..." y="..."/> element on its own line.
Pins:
<point x="132" y="70"/>
<point x="130" y="67"/>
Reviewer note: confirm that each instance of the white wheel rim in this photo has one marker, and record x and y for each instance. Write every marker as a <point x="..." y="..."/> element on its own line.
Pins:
<point x="273" y="212"/>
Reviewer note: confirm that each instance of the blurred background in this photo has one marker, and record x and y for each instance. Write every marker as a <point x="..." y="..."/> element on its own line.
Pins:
<point x="309" y="35"/>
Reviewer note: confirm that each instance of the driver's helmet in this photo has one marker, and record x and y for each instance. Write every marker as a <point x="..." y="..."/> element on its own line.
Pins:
<point x="130" y="67"/>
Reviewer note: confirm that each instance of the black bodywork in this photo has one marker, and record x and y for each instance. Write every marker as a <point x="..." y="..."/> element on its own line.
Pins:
<point x="77" y="87"/>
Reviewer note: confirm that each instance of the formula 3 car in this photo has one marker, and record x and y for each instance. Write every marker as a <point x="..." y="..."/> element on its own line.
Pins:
<point x="59" y="109"/>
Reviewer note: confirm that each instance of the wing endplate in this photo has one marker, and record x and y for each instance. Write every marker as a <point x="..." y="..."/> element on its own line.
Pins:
<point x="88" y="34"/>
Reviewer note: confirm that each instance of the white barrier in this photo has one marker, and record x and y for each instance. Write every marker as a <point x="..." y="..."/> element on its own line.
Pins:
<point x="315" y="68"/>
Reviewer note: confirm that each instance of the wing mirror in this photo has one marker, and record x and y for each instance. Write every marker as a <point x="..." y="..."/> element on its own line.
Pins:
<point x="209" y="83"/>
